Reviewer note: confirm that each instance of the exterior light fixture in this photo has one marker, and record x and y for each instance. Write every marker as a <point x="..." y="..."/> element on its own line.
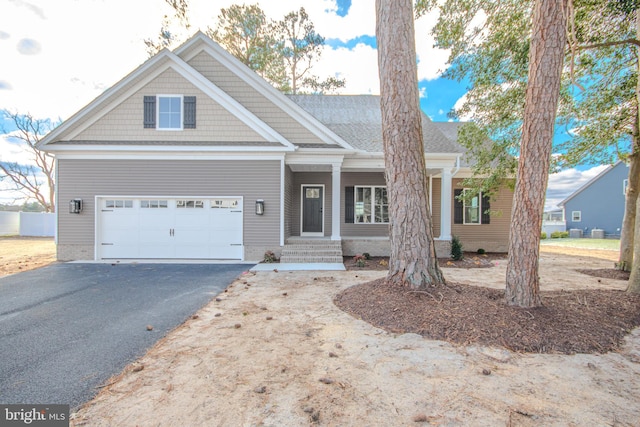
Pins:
<point x="259" y="207"/>
<point x="75" y="206"/>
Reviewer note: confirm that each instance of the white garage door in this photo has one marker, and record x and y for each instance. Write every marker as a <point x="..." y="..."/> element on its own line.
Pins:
<point x="170" y="228"/>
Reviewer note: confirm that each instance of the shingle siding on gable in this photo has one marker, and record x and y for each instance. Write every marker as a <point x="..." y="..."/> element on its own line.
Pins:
<point x="601" y="203"/>
<point x="253" y="100"/>
<point x="125" y="122"/>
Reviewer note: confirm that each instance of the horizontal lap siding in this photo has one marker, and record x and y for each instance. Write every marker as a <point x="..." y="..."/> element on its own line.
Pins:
<point x="493" y="236"/>
<point x="351" y="179"/>
<point x="213" y="122"/>
<point x="84" y="179"/>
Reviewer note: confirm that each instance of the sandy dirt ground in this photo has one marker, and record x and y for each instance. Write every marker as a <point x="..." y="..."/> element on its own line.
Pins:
<point x="273" y="350"/>
<point x="25" y="253"/>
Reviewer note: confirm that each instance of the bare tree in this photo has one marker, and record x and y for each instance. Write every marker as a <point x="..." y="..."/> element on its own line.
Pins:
<point x="546" y="55"/>
<point x="30" y="179"/>
<point x="413" y="261"/>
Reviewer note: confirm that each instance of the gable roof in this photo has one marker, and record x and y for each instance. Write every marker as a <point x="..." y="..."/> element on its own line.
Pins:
<point x="589" y="183"/>
<point x="161" y="62"/>
<point x="201" y="42"/>
<point x="358" y="120"/>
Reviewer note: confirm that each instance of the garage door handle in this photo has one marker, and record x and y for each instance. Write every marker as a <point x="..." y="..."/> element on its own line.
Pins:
<point x="236" y="244"/>
<point x="236" y="211"/>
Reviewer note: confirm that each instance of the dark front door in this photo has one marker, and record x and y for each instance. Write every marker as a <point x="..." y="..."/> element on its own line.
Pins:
<point x="312" y="201"/>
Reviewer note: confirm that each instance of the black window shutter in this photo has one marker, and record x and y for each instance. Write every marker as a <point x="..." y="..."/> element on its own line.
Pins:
<point x="458" y="207"/>
<point x="486" y="206"/>
<point x="189" y="112"/>
<point x="349" y="199"/>
<point x="149" y="112"/>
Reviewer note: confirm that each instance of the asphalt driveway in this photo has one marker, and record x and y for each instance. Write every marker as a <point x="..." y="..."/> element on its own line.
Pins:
<point x="66" y="328"/>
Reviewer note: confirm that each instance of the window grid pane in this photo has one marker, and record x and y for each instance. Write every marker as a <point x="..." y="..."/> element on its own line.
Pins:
<point x="169" y="112"/>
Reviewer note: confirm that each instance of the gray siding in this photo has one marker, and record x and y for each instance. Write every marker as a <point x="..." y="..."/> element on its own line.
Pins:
<point x="601" y="203"/>
<point x="253" y="180"/>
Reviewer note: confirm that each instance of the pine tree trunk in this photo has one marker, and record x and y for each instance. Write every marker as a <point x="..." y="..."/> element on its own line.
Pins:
<point x="634" y="278"/>
<point x="413" y="261"/>
<point x="625" y="262"/>
<point x="546" y="54"/>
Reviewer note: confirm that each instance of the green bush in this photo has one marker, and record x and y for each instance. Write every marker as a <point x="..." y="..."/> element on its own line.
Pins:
<point x="543" y="235"/>
<point x="481" y="251"/>
<point x="559" y="234"/>
<point x="366" y="255"/>
<point x="456" y="249"/>
<point x="269" y="257"/>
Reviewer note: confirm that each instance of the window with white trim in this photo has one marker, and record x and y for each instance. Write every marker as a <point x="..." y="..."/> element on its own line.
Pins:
<point x="371" y="205"/>
<point x="576" y="216"/>
<point x="170" y="112"/>
<point x="154" y="204"/>
<point x="190" y="204"/>
<point x="472" y="208"/>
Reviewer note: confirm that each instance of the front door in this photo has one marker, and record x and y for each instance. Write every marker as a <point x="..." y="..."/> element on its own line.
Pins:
<point x="312" y="206"/>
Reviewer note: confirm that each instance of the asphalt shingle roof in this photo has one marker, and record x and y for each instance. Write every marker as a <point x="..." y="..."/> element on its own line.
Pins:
<point x="357" y="120"/>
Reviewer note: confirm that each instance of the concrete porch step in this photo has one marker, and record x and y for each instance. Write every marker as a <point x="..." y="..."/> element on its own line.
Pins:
<point x="311" y="251"/>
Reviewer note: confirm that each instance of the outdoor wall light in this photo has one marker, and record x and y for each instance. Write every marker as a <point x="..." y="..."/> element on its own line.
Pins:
<point x="75" y="206"/>
<point x="259" y="207"/>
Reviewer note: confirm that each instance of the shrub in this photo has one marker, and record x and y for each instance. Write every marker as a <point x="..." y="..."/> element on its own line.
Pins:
<point x="366" y="255"/>
<point x="559" y="234"/>
<point x="360" y="260"/>
<point x="481" y="251"/>
<point x="564" y="234"/>
<point x="456" y="249"/>
<point x="269" y="257"/>
<point x="543" y="235"/>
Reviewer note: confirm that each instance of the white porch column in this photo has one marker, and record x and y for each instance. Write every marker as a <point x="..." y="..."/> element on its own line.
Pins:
<point x="335" y="201"/>
<point x="445" y="205"/>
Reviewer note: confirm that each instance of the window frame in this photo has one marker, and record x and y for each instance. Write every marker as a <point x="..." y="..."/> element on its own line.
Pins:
<point x="373" y="204"/>
<point x="464" y="207"/>
<point x="181" y="118"/>
<point x="573" y="216"/>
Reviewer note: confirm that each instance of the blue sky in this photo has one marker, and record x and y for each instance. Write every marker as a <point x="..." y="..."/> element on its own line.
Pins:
<point x="59" y="55"/>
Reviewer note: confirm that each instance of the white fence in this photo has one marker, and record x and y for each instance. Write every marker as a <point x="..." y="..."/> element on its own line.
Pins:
<point x="36" y="224"/>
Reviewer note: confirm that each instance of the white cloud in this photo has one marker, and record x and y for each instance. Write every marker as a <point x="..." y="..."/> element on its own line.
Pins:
<point x="562" y="184"/>
<point x="77" y="49"/>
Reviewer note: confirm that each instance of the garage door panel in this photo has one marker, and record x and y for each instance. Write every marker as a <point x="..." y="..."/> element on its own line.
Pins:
<point x="204" y="228"/>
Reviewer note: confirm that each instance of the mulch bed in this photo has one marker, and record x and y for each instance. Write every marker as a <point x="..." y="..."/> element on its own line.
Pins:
<point x="469" y="260"/>
<point x="583" y="321"/>
<point x="606" y="273"/>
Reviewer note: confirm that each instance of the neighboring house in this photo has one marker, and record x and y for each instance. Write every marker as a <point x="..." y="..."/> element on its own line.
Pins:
<point x="193" y="155"/>
<point x="598" y="204"/>
<point x="552" y="221"/>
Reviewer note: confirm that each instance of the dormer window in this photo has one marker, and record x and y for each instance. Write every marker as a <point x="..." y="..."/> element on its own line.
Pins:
<point x="169" y="112"/>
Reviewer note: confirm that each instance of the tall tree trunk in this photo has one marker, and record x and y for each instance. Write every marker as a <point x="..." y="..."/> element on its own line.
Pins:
<point x="413" y="261"/>
<point x="634" y="277"/>
<point x="627" y="234"/>
<point x="546" y="54"/>
<point x="625" y="262"/>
